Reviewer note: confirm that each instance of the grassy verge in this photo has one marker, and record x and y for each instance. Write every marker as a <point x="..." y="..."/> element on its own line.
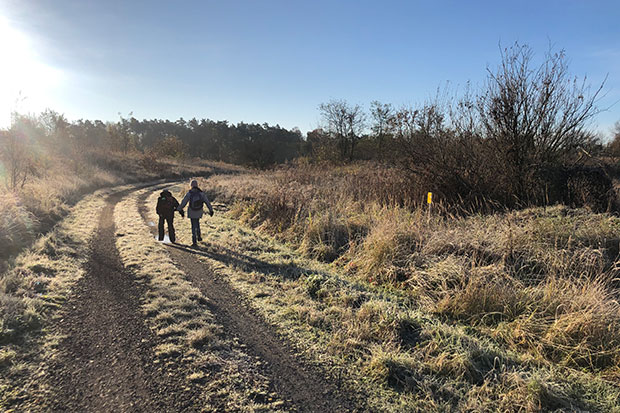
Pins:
<point x="505" y="312"/>
<point x="178" y="314"/>
<point x="31" y="292"/>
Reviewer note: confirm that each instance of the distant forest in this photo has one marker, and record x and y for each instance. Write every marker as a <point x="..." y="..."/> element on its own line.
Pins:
<point x="246" y="144"/>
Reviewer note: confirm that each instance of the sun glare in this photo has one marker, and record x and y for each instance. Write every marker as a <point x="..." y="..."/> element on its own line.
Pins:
<point x="25" y="82"/>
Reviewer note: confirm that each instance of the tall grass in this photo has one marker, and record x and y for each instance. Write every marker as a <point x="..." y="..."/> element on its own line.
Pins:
<point x="541" y="281"/>
<point x="323" y="211"/>
<point x="17" y="225"/>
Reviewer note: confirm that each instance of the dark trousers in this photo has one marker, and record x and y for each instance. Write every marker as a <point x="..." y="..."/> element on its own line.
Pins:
<point x="195" y="230"/>
<point x="170" y="221"/>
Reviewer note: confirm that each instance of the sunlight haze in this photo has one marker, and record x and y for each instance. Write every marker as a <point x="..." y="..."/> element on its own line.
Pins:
<point x="25" y="81"/>
<point x="310" y="206"/>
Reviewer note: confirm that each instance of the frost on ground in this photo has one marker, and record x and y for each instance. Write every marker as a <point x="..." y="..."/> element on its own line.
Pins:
<point x="166" y="239"/>
<point x="31" y="293"/>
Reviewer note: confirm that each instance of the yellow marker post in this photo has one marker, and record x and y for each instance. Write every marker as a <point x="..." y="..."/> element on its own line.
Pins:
<point x="429" y="201"/>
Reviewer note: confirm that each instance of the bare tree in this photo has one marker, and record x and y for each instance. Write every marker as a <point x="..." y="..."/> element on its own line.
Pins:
<point x="381" y="114"/>
<point x="345" y="124"/>
<point x="534" y="117"/>
<point x="508" y="144"/>
<point x="16" y="158"/>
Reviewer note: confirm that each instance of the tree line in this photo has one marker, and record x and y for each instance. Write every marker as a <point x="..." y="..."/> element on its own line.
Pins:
<point x="259" y="145"/>
<point x="30" y="138"/>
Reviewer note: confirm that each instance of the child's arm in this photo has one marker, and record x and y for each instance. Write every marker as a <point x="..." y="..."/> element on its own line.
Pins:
<point x="184" y="202"/>
<point x="206" y="201"/>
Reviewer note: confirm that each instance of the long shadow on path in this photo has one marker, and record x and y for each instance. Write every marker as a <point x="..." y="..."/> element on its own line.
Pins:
<point x="305" y="387"/>
<point x="237" y="259"/>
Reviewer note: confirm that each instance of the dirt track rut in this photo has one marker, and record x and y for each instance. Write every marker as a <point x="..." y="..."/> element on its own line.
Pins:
<point x="301" y="384"/>
<point x="106" y="360"/>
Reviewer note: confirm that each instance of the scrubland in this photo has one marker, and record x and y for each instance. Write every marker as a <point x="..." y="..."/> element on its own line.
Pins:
<point x="509" y="311"/>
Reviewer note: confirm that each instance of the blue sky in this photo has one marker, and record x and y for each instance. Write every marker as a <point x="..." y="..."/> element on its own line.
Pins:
<point x="276" y="61"/>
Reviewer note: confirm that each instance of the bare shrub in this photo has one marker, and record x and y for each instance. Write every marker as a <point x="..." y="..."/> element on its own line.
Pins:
<point x="589" y="187"/>
<point x="18" y="163"/>
<point x="436" y="158"/>
<point x="534" y="117"/>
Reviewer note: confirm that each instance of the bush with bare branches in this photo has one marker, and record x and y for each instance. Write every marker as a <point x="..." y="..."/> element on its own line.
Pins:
<point x="17" y="159"/>
<point x="517" y="142"/>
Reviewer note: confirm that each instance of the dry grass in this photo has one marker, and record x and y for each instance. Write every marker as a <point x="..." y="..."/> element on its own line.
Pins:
<point x="31" y="292"/>
<point x="515" y="311"/>
<point x="553" y="268"/>
<point x="321" y="212"/>
<point x="178" y="314"/>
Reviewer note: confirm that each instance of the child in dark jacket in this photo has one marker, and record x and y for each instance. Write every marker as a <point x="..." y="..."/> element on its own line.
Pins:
<point x="166" y="205"/>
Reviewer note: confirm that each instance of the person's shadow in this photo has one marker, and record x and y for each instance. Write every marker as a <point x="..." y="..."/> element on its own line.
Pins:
<point x="287" y="271"/>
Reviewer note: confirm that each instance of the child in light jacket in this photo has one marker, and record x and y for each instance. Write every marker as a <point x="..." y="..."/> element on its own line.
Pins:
<point x="196" y="199"/>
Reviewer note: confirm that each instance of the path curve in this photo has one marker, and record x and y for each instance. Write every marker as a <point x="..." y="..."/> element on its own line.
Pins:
<point x="105" y="361"/>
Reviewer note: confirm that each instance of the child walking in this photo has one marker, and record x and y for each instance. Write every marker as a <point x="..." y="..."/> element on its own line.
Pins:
<point x="196" y="199"/>
<point x="166" y="205"/>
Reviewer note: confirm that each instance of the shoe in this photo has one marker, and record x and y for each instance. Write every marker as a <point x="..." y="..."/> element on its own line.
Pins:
<point x="194" y="245"/>
<point x="199" y="238"/>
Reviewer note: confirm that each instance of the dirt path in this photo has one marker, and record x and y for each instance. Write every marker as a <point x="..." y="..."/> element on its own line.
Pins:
<point x="305" y="387"/>
<point x="106" y="360"/>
